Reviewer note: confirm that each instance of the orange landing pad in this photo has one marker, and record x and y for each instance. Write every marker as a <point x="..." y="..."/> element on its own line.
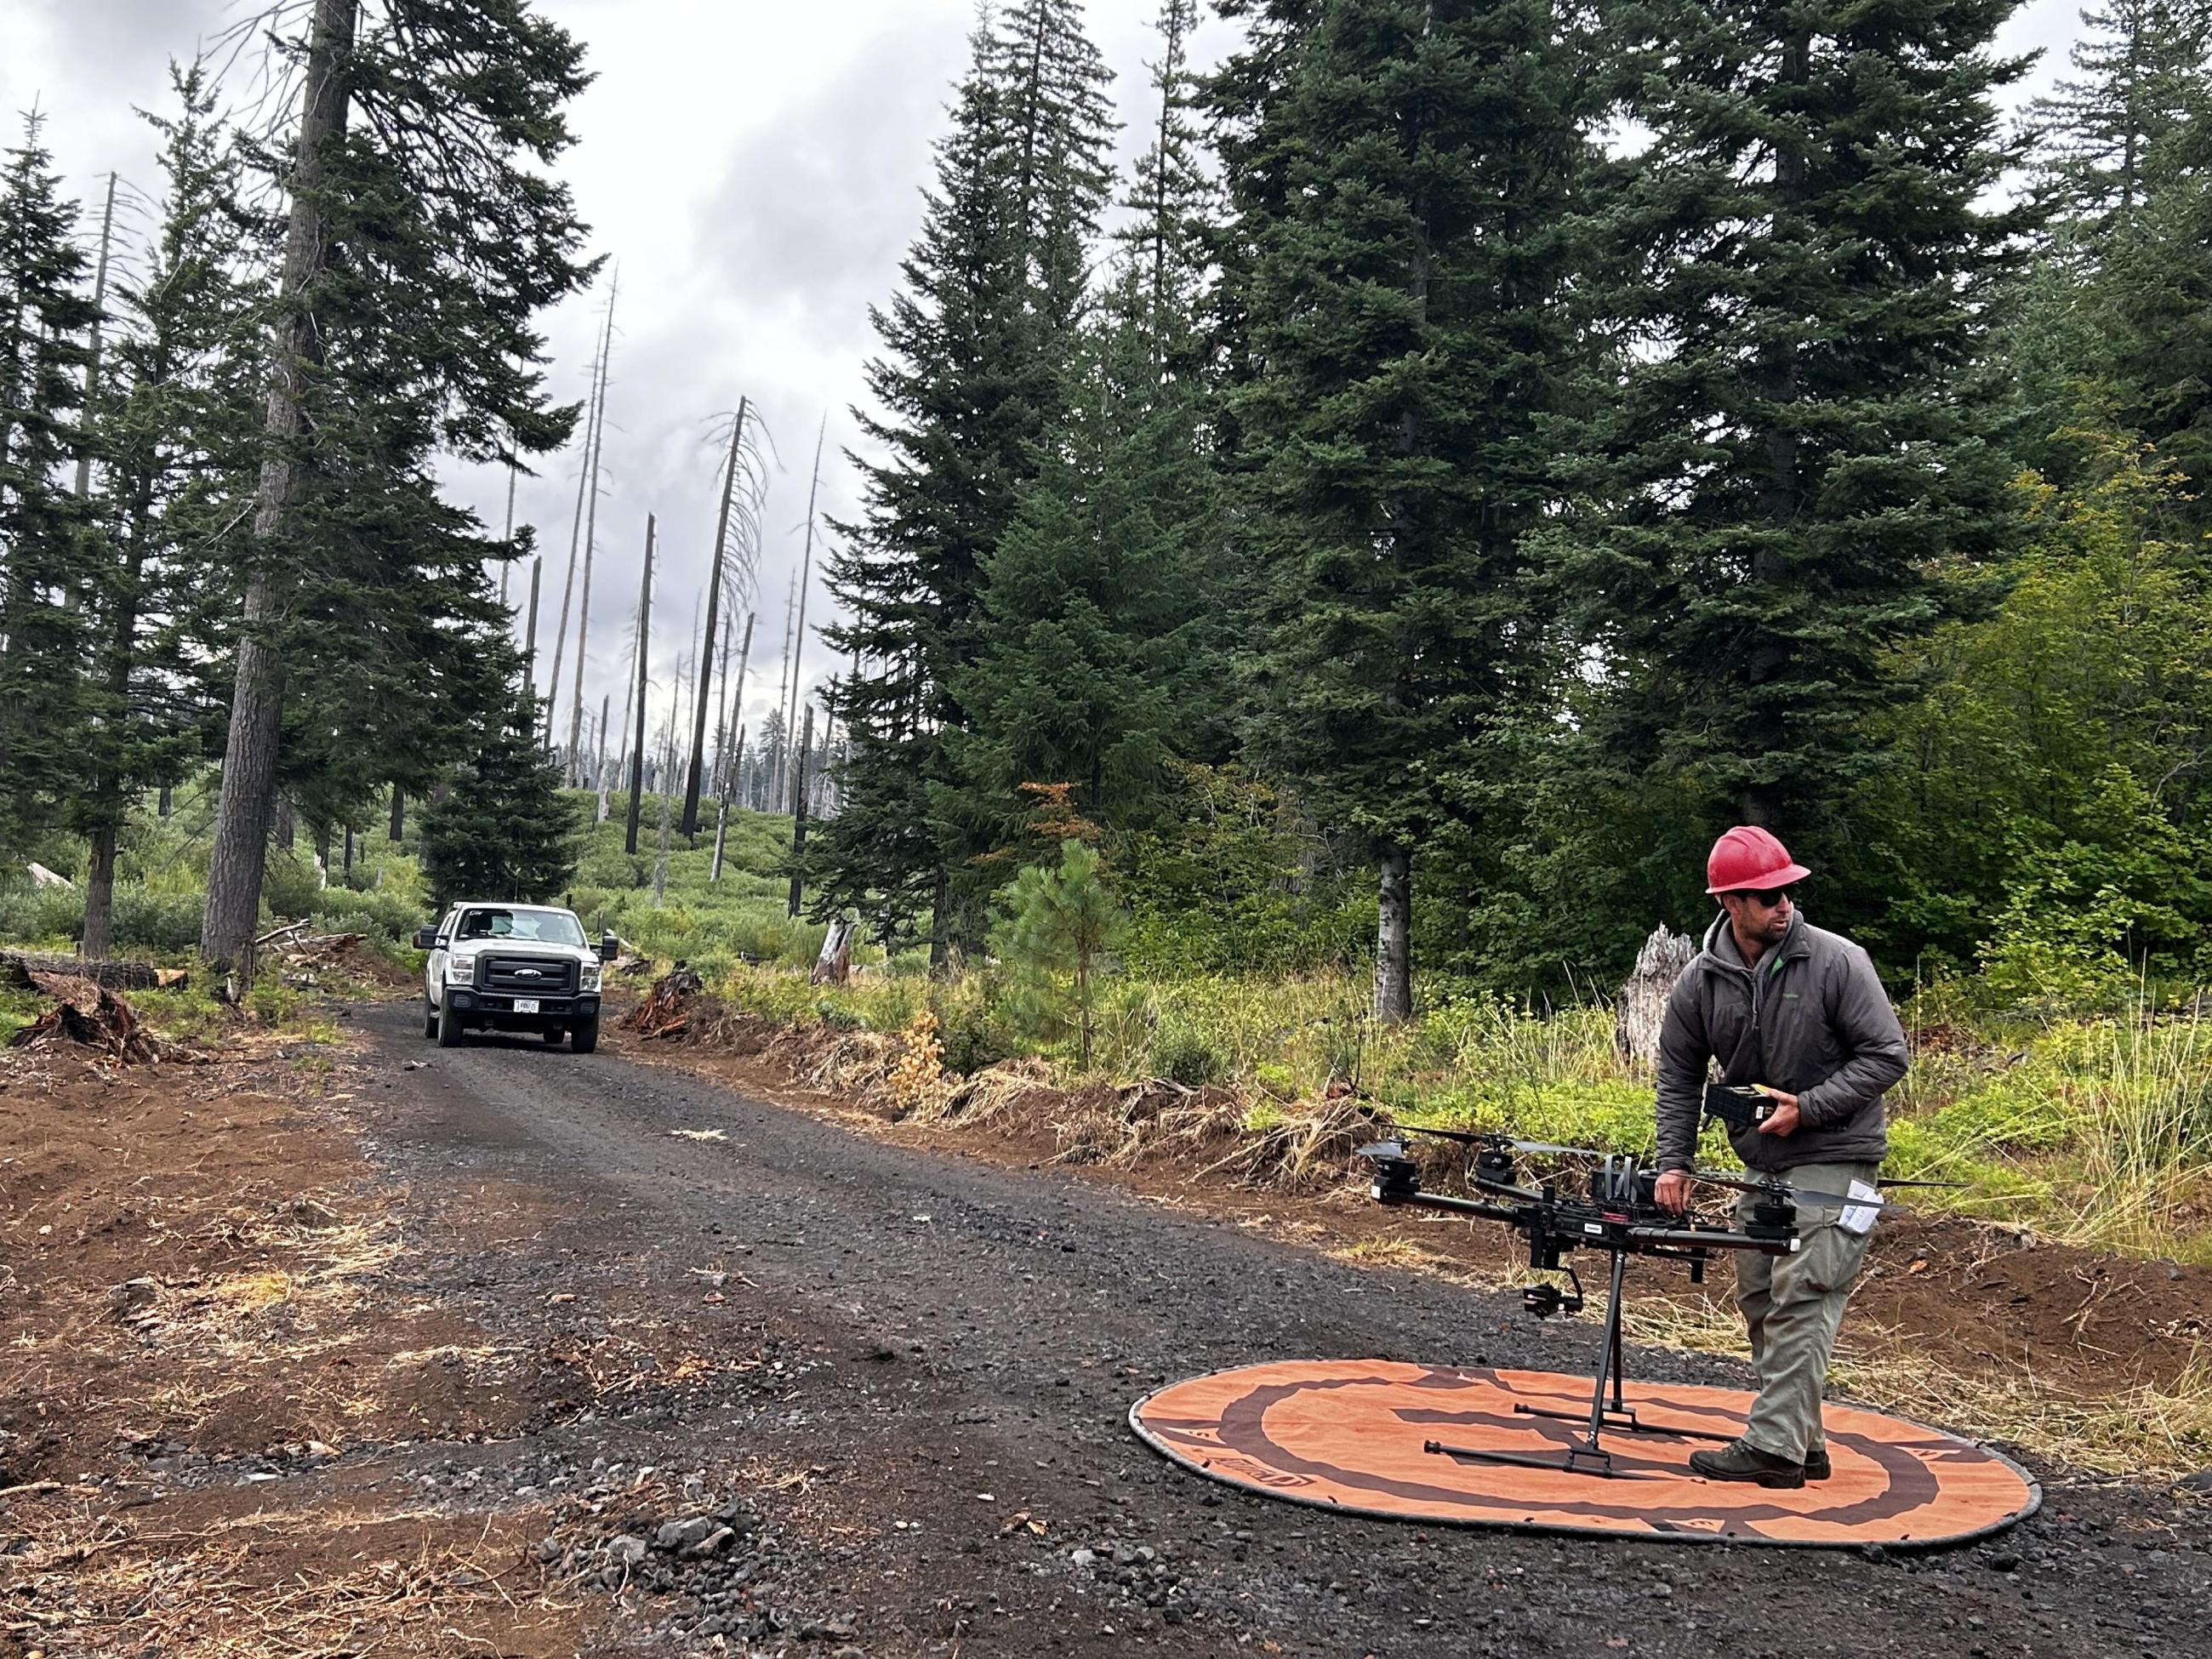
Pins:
<point x="1347" y="1434"/>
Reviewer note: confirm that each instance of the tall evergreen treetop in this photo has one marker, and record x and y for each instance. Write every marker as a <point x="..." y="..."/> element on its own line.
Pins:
<point x="1793" y="445"/>
<point x="969" y="384"/>
<point x="2141" y="74"/>
<point x="46" y="559"/>
<point x="1404" y="286"/>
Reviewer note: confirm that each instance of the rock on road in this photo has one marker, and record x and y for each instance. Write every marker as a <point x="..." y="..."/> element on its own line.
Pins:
<point x="936" y="1352"/>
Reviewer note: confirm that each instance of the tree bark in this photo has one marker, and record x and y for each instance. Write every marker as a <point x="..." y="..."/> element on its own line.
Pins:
<point x="240" y="849"/>
<point x="590" y="542"/>
<point x="599" y="765"/>
<point x="691" y="775"/>
<point x="530" y="647"/>
<point x="398" y="831"/>
<point x="722" y="815"/>
<point x="1393" y="962"/>
<point x="799" y="813"/>
<point x="584" y="488"/>
<point x="805" y="581"/>
<point x="637" y="750"/>
<point x="98" y="941"/>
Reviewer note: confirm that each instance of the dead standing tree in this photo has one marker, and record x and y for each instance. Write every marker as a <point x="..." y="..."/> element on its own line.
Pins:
<point x="591" y="539"/>
<point x="1642" y="1002"/>
<point x="728" y="765"/>
<point x="637" y="746"/>
<point x="737" y="543"/>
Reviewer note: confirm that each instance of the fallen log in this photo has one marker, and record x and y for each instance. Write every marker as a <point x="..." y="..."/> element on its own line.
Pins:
<point x="16" y="968"/>
<point x="89" y="1015"/>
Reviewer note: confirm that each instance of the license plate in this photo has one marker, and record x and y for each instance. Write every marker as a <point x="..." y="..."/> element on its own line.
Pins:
<point x="525" y="1005"/>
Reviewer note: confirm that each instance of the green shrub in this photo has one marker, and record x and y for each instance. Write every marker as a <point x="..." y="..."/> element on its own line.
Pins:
<point x="1182" y="1053"/>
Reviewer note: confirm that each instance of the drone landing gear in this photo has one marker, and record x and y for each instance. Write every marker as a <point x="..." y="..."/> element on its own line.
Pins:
<point x="1584" y="1454"/>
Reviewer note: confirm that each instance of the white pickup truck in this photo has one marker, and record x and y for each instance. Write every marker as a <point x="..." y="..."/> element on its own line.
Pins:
<point x="512" y="968"/>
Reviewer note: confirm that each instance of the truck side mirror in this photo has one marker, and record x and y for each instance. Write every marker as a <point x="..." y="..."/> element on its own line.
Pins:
<point x="425" y="937"/>
<point x="609" y="947"/>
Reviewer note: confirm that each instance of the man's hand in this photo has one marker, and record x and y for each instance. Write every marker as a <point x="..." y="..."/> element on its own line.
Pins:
<point x="1783" y="1119"/>
<point x="1672" y="1192"/>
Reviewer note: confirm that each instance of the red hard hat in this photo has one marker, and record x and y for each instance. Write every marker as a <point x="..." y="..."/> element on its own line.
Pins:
<point x="1748" y="858"/>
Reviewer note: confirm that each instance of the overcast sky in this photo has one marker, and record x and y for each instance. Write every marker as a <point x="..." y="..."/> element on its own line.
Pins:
<point x="756" y="170"/>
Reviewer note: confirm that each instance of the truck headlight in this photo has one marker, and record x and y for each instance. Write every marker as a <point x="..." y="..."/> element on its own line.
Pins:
<point x="590" y="981"/>
<point x="460" y="970"/>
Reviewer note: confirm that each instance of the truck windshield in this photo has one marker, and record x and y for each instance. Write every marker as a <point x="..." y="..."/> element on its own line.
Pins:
<point x="540" y="926"/>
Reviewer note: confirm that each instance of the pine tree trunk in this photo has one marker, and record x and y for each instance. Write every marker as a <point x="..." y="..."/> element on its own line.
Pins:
<point x="98" y="941"/>
<point x="287" y="830"/>
<point x="692" y="772"/>
<point x="599" y="765"/>
<point x="586" y="485"/>
<point x="1393" y="961"/>
<point x="398" y="831"/>
<point x="240" y="849"/>
<point x="805" y="581"/>
<point x="940" y="924"/>
<point x="637" y="751"/>
<point x="776" y="777"/>
<point x="722" y="815"/>
<point x="530" y="646"/>
<point x="591" y="542"/>
<point x="798" y="814"/>
<point x="166" y="802"/>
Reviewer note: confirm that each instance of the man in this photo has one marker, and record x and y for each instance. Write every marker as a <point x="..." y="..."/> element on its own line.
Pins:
<point x="1799" y="1014"/>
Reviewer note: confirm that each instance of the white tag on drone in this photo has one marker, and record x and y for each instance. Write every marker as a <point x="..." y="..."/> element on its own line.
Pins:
<point x="1858" y="1219"/>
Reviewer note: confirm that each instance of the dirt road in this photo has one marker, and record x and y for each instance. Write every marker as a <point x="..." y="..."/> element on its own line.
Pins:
<point x="913" y="1376"/>
<point x="503" y="1351"/>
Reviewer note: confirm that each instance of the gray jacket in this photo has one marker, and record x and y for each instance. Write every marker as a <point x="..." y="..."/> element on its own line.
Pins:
<point x="1811" y="1020"/>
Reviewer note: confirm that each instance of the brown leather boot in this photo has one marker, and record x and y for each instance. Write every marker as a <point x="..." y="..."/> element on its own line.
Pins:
<point x="1740" y="1460"/>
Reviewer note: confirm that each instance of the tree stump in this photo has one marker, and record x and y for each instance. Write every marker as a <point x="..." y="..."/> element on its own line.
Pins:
<point x="1642" y="1001"/>
<point x="834" y="965"/>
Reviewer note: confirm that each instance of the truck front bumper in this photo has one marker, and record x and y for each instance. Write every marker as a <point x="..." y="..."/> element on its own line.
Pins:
<point x="497" y="1009"/>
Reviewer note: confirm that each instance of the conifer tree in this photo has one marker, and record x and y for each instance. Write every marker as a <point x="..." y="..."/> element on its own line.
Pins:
<point x="969" y="384"/>
<point x="506" y="831"/>
<point x="1790" y="453"/>
<point x="2141" y="75"/>
<point x="1404" y="271"/>
<point x="45" y="554"/>
<point x="1096" y="659"/>
<point x="177" y="430"/>
<point x="424" y="235"/>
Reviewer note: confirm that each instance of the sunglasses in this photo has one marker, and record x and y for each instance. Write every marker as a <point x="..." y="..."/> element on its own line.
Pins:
<point x="1769" y="897"/>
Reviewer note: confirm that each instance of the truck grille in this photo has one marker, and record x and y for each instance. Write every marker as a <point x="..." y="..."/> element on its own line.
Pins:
<point x="528" y="976"/>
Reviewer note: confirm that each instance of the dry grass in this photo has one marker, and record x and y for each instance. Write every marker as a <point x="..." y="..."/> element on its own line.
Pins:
<point x="104" y="1586"/>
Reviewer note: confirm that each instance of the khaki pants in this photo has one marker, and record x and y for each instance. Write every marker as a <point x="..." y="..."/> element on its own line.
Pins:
<point x="1792" y="1306"/>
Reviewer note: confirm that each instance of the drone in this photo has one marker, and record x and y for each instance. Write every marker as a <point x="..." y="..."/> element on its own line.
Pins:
<point x="1613" y="1208"/>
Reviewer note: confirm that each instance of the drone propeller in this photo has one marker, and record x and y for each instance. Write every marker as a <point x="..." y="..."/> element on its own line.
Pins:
<point x="1891" y="1180"/>
<point x="1390" y="1149"/>
<point x="1781" y="1189"/>
<point x="1492" y="1138"/>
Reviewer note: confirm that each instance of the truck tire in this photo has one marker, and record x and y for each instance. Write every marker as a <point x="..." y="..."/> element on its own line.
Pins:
<point x="553" y="1033"/>
<point x="584" y="1036"/>
<point x="429" y="1017"/>
<point x="449" y="1028"/>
